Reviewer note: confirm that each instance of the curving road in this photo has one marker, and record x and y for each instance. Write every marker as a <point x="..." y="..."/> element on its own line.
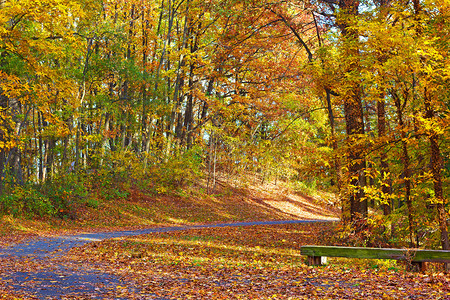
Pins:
<point x="50" y="280"/>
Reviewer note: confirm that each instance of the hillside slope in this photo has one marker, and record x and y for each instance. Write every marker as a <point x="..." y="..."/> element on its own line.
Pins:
<point x="228" y="202"/>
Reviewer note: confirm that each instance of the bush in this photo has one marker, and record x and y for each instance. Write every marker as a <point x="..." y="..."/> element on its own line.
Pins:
<point x="54" y="198"/>
<point x="64" y="194"/>
<point x="26" y="201"/>
<point x="371" y="232"/>
<point x="66" y="191"/>
<point x="178" y="171"/>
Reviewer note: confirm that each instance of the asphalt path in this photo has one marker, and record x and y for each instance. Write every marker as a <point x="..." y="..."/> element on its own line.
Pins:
<point x="59" y="282"/>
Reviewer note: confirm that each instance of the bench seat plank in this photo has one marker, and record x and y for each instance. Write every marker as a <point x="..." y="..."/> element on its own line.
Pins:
<point x="414" y="255"/>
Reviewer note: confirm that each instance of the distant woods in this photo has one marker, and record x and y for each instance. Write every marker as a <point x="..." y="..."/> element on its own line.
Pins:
<point x="333" y="94"/>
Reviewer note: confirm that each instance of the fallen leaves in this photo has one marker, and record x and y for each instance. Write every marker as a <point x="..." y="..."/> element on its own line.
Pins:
<point x="241" y="262"/>
<point x="258" y="262"/>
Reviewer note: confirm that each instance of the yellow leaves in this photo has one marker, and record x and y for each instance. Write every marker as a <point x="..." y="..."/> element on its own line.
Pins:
<point x="93" y="137"/>
<point x="161" y="190"/>
<point x="12" y="86"/>
<point x="430" y="126"/>
<point x="434" y="200"/>
<point x="38" y="24"/>
<point x="7" y="145"/>
<point x="55" y="130"/>
<point x="169" y="73"/>
<point x="7" y="131"/>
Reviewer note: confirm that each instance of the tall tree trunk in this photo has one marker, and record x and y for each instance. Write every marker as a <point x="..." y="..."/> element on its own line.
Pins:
<point x="368" y="180"/>
<point x="406" y="166"/>
<point x="386" y="184"/>
<point x="49" y="158"/>
<point x="436" y="167"/>
<point x="3" y="136"/>
<point x="189" y="114"/>
<point x="41" y="149"/>
<point x="336" y="160"/>
<point x="144" y="118"/>
<point x="176" y="119"/>
<point x="353" y="111"/>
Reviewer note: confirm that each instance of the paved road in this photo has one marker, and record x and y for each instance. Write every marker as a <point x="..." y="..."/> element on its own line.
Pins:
<point x="59" y="280"/>
<point x="60" y="245"/>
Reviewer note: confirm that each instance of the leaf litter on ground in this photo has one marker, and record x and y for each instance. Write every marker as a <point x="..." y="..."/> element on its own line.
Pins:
<point x="256" y="262"/>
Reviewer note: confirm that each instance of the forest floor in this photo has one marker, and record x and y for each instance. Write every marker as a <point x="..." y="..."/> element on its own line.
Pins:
<point x="232" y="262"/>
<point x="131" y="207"/>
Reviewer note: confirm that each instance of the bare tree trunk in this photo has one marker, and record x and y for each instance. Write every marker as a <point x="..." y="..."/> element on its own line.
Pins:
<point x="189" y="113"/>
<point x="2" y="166"/>
<point x="144" y="118"/>
<point x="49" y="158"/>
<point x="41" y="150"/>
<point x="212" y="158"/>
<point x="3" y="137"/>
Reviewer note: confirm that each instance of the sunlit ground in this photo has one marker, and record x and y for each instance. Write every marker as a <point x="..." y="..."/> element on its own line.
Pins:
<point x="257" y="262"/>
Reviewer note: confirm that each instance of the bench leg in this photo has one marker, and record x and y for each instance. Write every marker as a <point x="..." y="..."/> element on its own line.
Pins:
<point x="417" y="266"/>
<point x="316" y="260"/>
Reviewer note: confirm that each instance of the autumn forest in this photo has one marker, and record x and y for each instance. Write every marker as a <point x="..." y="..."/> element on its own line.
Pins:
<point x="351" y="97"/>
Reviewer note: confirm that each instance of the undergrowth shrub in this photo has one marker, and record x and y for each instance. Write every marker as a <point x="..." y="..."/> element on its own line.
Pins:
<point x="390" y="231"/>
<point x="181" y="170"/>
<point x="110" y="185"/>
<point x="58" y="197"/>
<point x="113" y="179"/>
<point x="372" y="232"/>
<point x="26" y="201"/>
<point x="67" y="192"/>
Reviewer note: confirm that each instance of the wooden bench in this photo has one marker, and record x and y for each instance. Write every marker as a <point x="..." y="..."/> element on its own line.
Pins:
<point x="416" y="258"/>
